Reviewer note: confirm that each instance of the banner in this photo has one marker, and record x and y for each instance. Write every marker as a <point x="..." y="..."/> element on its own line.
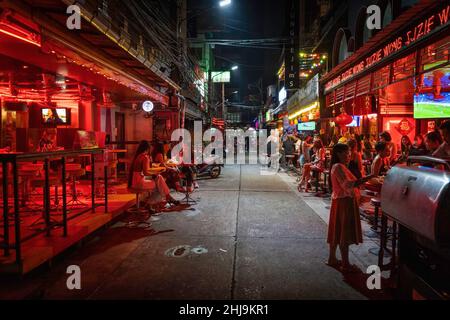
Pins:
<point x="292" y="59"/>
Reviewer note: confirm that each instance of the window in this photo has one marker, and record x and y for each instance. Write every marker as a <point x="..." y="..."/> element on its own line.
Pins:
<point x="388" y="14"/>
<point x="343" y="50"/>
<point x="362" y="33"/>
<point x="341" y="47"/>
<point x="406" y="4"/>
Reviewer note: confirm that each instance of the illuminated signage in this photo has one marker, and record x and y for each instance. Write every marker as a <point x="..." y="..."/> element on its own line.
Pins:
<point x="282" y="95"/>
<point x="220" y="76"/>
<point x="147" y="106"/>
<point x="420" y="30"/>
<point x="310" y="108"/>
<point x="291" y="61"/>
<point x="200" y="85"/>
<point x="306" y="126"/>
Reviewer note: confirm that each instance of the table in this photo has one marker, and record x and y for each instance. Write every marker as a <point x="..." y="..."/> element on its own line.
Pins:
<point x="13" y="159"/>
<point x="156" y="171"/>
<point x="116" y="151"/>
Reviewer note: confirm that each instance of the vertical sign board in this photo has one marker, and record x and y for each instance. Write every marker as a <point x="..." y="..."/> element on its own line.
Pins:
<point x="292" y="60"/>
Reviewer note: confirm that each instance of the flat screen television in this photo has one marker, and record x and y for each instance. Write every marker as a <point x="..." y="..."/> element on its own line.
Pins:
<point x="55" y="116"/>
<point x="356" y="122"/>
<point x="306" y="126"/>
<point x="428" y="106"/>
<point x="433" y="100"/>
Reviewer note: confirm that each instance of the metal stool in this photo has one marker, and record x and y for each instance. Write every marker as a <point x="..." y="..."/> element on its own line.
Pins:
<point x="137" y="211"/>
<point x="376" y="202"/>
<point x="40" y="183"/>
<point x="75" y="171"/>
<point x="383" y="244"/>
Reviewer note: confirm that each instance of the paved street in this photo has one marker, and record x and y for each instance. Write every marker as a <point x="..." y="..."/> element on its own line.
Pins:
<point x="250" y="237"/>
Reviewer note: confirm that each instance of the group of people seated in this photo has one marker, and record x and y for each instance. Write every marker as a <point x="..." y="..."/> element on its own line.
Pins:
<point x="366" y="156"/>
<point x="144" y="178"/>
<point x="344" y="228"/>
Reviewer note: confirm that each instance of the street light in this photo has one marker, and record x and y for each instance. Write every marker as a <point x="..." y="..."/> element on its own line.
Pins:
<point x="224" y="3"/>
<point x="233" y="68"/>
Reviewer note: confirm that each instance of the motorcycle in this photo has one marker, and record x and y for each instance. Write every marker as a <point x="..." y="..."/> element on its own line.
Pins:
<point x="210" y="167"/>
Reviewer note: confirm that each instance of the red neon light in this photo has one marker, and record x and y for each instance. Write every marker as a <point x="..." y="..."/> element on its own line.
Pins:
<point x="18" y="27"/>
<point x="20" y="37"/>
<point x="439" y="19"/>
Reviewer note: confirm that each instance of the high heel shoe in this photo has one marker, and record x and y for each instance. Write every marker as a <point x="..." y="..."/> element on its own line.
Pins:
<point x="173" y="201"/>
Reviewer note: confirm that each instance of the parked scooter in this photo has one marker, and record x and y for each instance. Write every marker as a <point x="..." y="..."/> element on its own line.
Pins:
<point x="210" y="167"/>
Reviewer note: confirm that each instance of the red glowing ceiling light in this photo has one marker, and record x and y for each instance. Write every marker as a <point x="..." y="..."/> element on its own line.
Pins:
<point x="18" y="27"/>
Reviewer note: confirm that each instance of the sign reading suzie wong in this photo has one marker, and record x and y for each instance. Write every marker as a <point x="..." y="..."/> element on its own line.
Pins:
<point x="413" y="34"/>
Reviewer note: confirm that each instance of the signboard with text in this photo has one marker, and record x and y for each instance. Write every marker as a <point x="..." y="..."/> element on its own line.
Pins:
<point x="410" y="36"/>
<point x="220" y="76"/>
<point x="292" y="61"/>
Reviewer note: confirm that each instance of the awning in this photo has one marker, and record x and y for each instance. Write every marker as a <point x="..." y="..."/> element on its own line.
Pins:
<point x="385" y="36"/>
<point x="89" y="55"/>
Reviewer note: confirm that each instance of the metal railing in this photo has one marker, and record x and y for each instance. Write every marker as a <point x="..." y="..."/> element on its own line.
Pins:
<point x="10" y="162"/>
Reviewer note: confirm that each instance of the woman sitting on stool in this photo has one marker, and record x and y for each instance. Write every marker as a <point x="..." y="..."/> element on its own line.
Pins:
<point x="317" y="165"/>
<point x="140" y="168"/>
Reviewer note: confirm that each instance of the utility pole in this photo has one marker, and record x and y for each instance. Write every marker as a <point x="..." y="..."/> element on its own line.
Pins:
<point x="181" y="33"/>
<point x="223" y="105"/>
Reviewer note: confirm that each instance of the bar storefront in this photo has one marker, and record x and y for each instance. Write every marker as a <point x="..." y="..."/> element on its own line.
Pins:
<point x="397" y="82"/>
<point x="303" y="107"/>
<point x="71" y="106"/>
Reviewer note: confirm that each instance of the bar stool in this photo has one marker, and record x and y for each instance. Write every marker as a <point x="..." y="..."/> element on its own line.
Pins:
<point x="112" y="169"/>
<point x="75" y="171"/>
<point x="187" y="194"/>
<point x="100" y="177"/>
<point x="39" y="182"/>
<point x="384" y="235"/>
<point x="137" y="212"/>
<point x="376" y="203"/>
<point x="26" y="171"/>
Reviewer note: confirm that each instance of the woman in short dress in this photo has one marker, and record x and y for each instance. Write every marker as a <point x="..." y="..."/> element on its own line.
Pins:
<point x="344" y="227"/>
<point x="317" y="164"/>
<point x="140" y="169"/>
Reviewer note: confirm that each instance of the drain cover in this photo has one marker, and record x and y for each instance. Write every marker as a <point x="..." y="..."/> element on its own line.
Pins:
<point x="199" y="250"/>
<point x="179" y="251"/>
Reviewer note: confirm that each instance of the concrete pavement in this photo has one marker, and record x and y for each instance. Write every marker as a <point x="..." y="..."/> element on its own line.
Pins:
<point x="249" y="237"/>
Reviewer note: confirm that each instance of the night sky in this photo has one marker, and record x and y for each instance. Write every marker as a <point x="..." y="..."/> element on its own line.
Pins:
<point x="245" y="19"/>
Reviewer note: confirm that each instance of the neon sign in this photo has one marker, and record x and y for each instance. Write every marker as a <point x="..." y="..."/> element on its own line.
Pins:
<point x="16" y="26"/>
<point x="419" y="31"/>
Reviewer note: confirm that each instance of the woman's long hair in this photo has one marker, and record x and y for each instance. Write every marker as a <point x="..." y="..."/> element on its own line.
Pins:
<point x="158" y="148"/>
<point x="143" y="146"/>
<point x="318" y="144"/>
<point x="406" y="146"/>
<point x="337" y="149"/>
<point x="359" y="145"/>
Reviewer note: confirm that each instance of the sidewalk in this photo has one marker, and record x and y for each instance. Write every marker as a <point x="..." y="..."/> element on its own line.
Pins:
<point x="321" y="206"/>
